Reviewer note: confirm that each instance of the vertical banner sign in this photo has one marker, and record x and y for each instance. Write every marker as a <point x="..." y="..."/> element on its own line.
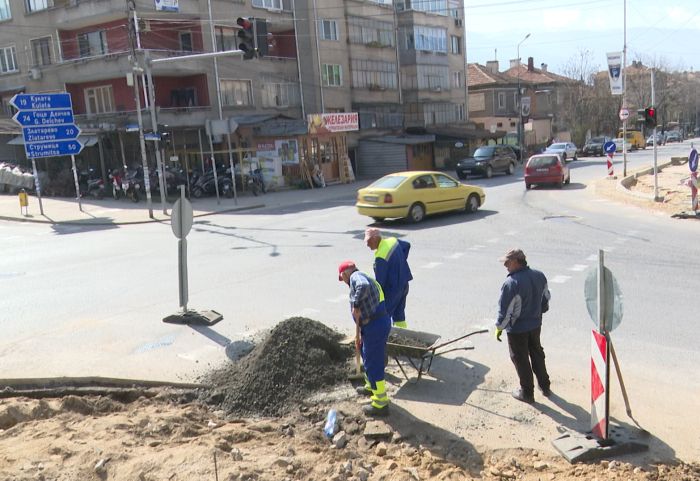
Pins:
<point x="525" y="108"/>
<point x="599" y="381"/>
<point x="615" y="73"/>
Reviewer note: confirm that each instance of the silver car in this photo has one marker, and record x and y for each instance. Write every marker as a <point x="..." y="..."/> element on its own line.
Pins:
<point x="566" y="150"/>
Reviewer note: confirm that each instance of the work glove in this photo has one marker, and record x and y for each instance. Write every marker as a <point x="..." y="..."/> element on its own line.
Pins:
<point x="498" y="334"/>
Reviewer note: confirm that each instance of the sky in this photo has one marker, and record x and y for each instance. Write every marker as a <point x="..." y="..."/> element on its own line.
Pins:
<point x="659" y="32"/>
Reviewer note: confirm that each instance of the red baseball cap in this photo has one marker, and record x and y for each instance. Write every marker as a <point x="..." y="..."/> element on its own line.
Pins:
<point x="345" y="265"/>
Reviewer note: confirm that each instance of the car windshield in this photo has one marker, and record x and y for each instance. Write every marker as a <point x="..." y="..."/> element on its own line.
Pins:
<point x="544" y="161"/>
<point x="484" y="152"/>
<point x="388" y="182"/>
<point x="597" y="140"/>
<point x="557" y="146"/>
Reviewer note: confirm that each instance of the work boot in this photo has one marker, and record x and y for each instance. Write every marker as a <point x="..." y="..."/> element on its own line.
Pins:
<point x="546" y="391"/>
<point x="520" y="395"/>
<point x="370" y="410"/>
<point x="363" y="390"/>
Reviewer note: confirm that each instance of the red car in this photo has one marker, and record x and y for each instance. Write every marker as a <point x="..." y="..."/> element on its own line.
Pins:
<point x="546" y="169"/>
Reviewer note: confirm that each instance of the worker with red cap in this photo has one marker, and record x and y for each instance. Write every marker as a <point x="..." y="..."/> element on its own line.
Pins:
<point x="391" y="271"/>
<point x="372" y="326"/>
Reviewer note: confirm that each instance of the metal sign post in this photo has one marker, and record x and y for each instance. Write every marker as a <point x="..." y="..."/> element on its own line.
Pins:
<point x="77" y="184"/>
<point x="181" y="223"/>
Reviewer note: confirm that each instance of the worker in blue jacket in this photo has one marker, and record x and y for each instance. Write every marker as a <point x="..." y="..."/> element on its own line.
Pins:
<point x="524" y="297"/>
<point x="391" y="271"/>
<point x="372" y="326"/>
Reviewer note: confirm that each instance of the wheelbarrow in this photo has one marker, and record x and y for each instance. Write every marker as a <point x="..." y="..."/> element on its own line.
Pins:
<point x="420" y="348"/>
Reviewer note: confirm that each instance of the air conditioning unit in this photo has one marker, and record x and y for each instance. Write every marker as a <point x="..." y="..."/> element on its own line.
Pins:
<point x="458" y="22"/>
<point x="35" y="73"/>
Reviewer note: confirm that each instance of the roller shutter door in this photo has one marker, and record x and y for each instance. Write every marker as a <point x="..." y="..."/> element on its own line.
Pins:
<point x="379" y="158"/>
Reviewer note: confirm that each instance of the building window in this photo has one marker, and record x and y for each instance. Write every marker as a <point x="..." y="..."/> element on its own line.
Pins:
<point x="373" y="74"/>
<point x="186" y="41"/>
<point x="99" y="100"/>
<point x="454" y="9"/>
<point x="515" y="99"/>
<point x="456" y="43"/>
<point x="37" y="5"/>
<point x="366" y="31"/>
<point x="92" y="43"/>
<point x="456" y="79"/>
<point x="429" y="38"/>
<point x="280" y="93"/>
<point x="329" y="29"/>
<point x="428" y="77"/>
<point x="433" y="6"/>
<point x="225" y="38"/>
<point x="271" y="4"/>
<point x="501" y="100"/>
<point x="459" y="111"/>
<point x="8" y="60"/>
<point x="332" y="75"/>
<point x="236" y="93"/>
<point x="378" y="116"/>
<point x="183" y="97"/>
<point x="41" y="51"/>
<point x="5" y="12"/>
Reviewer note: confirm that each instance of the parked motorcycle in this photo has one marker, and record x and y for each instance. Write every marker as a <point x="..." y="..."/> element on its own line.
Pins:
<point x="91" y="185"/>
<point x="204" y="185"/>
<point x="132" y="184"/>
<point x="116" y="177"/>
<point x="256" y="183"/>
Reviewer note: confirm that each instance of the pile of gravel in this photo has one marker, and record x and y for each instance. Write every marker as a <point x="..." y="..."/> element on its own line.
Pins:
<point x="297" y="357"/>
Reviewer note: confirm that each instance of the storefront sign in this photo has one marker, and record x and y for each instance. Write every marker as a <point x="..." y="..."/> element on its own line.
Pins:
<point x="167" y="5"/>
<point x="335" y="122"/>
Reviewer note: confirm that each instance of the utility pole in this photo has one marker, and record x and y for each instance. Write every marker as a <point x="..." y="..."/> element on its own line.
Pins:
<point x="154" y="127"/>
<point x="624" y="89"/>
<point x="137" y="97"/>
<point x="656" y="176"/>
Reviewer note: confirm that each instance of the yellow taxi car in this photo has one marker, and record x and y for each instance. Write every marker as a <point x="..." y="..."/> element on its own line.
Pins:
<point x="415" y="194"/>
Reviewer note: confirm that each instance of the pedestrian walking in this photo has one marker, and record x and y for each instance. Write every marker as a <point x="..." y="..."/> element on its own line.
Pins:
<point x="372" y="326"/>
<point x="524" y="297"/>
<point x="392" y="271"/>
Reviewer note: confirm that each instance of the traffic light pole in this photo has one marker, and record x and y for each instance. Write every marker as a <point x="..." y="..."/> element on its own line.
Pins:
<point x="656" y="171"/>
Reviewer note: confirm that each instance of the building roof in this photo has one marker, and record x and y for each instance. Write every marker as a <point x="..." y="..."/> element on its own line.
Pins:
<point x="479" y="75"/>
<point x="9" y="127"/>
<point x="535" y="76"/>
<point x="455" y="132"/>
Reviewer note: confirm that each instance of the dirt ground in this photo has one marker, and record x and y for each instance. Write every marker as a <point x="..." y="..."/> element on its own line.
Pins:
<point x="671" y="186"/>
<point x="262" y="418"/>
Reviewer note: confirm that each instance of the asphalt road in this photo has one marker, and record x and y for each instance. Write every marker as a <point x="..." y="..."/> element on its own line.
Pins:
<point x="80" y="301"/>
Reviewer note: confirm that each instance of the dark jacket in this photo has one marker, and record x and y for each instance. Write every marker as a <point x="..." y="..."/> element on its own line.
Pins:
<point x="524" y="296"/>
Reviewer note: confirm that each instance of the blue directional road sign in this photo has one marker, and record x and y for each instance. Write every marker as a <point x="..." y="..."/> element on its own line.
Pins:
<point x="51" y="133"/>
<point x="41" y="101"/>
<point x="693" y="160"/>
<point x="29" y="118"/>
<point x="609" y="147"/>
<point x="53" y="149"/>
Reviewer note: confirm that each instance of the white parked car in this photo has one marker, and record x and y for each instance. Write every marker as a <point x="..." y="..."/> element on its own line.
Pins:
<point x="618" y="145"/>
<point x="566" y="150"/>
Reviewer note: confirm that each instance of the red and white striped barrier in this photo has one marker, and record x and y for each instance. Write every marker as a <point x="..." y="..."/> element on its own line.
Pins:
<point x="610" y="166"/>
<point x="599" y="385"/>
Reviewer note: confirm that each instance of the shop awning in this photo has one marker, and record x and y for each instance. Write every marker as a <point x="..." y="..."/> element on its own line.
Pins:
<point x="86" y="140"/>
<point x="404" y="139"/>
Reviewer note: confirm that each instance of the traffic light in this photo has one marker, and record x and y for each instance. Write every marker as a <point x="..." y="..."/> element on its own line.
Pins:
<point x="642" y="117"/>
<point x="246" y="36"/>
<point x="650" y="117"/>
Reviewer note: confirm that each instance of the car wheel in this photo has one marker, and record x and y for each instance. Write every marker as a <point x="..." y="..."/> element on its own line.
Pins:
<point x="528" y="186"/>
<point x="563" y="157"/>
<point x="473" y="203"/>
<point x="461" y="175"/>
<point x="560" y="184"/>
<point x="378" y="219"/>
<point x="511" y="169"/>
<point x="575" y="157"/>
<point x="568" y="179"/>
<point x="416" y="213"/>
<point x="489" y="171"/>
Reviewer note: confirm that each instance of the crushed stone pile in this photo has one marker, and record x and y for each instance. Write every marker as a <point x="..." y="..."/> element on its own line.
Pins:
<point x="298" y="357"/>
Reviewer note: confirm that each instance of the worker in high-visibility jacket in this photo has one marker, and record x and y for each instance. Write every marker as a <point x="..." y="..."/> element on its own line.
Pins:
<point x="391" y="271"/>
<point x="372" y="326"/>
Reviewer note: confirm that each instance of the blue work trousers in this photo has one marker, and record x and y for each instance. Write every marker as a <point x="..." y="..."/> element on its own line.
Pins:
<point x="374" y="338"/>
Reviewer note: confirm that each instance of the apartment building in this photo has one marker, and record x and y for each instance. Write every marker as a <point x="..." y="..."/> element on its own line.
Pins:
<point x="398" y="64"/>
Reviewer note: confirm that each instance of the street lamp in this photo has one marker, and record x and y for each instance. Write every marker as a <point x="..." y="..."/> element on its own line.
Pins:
<point x="520" y="110"/>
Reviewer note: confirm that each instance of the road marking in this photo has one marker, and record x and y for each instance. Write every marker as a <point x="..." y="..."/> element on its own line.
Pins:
<point x="592" y="257"/>
<point x="559" y="279"/>
<point x="578" y="267"/>
<point x="456" y="255"/>
<point x="338" y="299"/>
<point x="431" y="265"/>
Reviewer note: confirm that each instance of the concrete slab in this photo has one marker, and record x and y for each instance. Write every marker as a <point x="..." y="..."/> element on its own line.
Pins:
<point x="577" y="447"/>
